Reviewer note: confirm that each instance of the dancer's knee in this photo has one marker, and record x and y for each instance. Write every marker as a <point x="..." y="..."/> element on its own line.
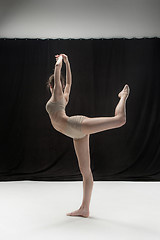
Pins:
<point x="121" y="120"/>
<point x="86" y="172"/>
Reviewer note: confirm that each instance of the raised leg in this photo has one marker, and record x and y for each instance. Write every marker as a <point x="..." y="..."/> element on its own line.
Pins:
<point x="83" y="155"/>
<point x="99" y="124"/>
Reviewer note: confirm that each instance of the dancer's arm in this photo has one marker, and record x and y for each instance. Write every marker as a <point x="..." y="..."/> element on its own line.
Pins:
<point x="57" y="73"/>
<point x="68" y="75"/>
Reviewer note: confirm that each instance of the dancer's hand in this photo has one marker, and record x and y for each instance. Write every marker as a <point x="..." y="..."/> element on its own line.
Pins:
<point x="59" y="60"/>
<point x="65" y="58"/>
<point x="57" y="56"/>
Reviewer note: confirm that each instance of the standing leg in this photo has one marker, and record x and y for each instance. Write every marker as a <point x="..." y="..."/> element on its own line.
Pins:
<point x="99" y="124"/>
<point x="83" y="155"/>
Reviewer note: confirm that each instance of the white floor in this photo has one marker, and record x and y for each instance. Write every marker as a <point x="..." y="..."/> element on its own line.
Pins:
<point x="119" y="211"/>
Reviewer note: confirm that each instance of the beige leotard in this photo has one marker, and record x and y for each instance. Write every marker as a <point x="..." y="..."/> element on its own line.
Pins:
<point x="70" y="126"/>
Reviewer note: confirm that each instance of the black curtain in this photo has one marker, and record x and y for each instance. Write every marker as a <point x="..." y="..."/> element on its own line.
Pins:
<point x="31" y="149"/>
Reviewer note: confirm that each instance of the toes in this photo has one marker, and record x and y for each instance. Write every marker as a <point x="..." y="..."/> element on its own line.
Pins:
<point x="72" y="214"/>
<point x="126" y="87"/>
<point x="68" y="214"/>
<point x="78" y="214"/>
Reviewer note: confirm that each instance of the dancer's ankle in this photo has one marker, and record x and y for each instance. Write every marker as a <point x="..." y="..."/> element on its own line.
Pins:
<point x="84" y="207"/>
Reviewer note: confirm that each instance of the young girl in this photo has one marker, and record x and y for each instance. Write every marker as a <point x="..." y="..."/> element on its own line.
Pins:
<point x="80" y="127"/>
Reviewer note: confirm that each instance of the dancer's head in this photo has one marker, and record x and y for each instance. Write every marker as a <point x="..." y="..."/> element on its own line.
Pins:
<point x="50" y="82"/>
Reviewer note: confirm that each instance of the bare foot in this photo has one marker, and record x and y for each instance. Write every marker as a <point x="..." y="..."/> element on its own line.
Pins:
<point x="125" y="92"/>
<point x="80" y="212"/>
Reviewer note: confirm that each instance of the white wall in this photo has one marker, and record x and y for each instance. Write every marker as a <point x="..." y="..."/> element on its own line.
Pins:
<point x="79" y="18"/>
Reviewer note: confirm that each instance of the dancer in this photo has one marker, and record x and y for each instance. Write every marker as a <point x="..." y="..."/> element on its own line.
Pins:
<point x="80" y="127"/>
